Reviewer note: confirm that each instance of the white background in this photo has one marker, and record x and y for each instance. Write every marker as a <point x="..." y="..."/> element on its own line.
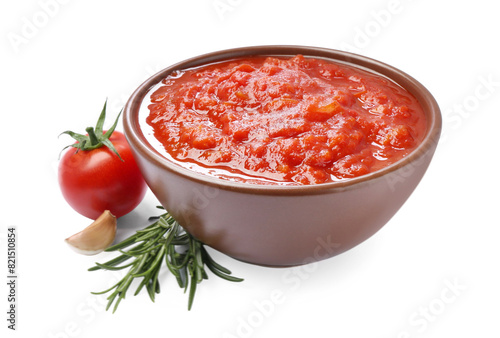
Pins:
<point x="432" y="271"/>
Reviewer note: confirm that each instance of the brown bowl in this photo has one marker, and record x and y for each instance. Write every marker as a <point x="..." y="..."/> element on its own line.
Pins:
<point x="282" y="225"/>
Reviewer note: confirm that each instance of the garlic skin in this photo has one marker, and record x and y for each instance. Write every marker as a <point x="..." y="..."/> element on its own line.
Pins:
<point x="96" y="237"/>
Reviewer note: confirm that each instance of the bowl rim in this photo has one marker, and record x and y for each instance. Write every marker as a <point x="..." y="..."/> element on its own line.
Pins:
<point x="138" y="140"/>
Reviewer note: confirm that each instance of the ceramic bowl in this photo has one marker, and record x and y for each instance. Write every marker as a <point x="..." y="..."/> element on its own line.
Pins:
<point x="274" y="225"/>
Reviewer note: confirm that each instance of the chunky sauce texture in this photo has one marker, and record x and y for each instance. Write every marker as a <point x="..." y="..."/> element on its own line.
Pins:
<point x="273" y="120"/>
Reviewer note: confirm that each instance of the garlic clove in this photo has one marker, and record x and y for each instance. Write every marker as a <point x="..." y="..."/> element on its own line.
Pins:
<point x="96" y="237"/>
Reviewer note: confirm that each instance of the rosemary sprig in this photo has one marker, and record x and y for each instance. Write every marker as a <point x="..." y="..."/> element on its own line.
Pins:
<point x="164" y="241"/>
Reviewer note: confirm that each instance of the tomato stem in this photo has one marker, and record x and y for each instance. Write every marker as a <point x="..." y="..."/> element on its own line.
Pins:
<point x="96" y="137"/>
<point x="92" y="136"/>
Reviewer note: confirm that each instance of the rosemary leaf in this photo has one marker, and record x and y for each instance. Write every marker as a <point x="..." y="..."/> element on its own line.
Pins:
<point x="162" y="242"/>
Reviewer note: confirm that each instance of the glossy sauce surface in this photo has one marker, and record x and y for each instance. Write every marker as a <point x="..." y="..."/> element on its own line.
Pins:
<point x="273" y="120"/>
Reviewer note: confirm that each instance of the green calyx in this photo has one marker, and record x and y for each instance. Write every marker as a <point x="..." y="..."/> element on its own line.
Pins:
<point x="95" y="137"/>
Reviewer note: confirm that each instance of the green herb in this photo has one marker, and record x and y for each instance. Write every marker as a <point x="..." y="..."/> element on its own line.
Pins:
<point x="164" y="241"/>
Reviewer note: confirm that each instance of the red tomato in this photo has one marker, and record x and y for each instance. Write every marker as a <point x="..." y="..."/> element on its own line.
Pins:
<point x="96" y="180"/>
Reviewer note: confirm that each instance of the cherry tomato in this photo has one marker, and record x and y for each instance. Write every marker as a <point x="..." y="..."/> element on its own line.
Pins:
<point x="99" y="173"/>
<point x="96" y="180"/>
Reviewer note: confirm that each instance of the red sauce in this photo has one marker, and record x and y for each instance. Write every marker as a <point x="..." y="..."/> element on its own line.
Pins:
<point x="284" y="120"/>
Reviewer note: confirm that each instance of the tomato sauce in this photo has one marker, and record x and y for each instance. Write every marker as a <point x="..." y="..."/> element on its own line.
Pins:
<point x="274" y="120"/>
